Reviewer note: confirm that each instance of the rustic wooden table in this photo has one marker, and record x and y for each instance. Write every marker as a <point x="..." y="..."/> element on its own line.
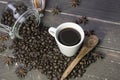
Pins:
<point x="104" y="18"/>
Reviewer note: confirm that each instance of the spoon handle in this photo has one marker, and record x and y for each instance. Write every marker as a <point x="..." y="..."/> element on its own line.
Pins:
<point x="81" y="54"/>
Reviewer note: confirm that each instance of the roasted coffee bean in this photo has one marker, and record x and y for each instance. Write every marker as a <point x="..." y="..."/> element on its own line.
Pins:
<point x="38" y="50"/>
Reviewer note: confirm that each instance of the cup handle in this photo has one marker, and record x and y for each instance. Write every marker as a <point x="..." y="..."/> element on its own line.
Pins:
<point x="52" y="31"/>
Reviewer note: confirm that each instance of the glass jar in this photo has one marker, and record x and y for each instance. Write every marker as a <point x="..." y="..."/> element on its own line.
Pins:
<point x="15" y="16"/>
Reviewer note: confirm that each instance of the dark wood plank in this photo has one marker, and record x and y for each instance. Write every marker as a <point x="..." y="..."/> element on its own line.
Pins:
<point x="108" y="33"/>
<point x="2" y="7"/>
<point x="103" y="9"/>
<point x="27" y="2"/>
<point x="106" y="69"/>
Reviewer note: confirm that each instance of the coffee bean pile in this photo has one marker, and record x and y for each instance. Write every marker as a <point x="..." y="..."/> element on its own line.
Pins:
<point x="38" y="50"/>
<point x="7" y="15"/>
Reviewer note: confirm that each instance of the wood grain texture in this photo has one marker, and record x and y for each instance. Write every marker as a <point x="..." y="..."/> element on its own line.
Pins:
<point x="102" y="9"/>
<point x="106" y="69"/>
<point x="27" y="2"/>
<point x="103" y="70"/>
<point x="2" y="7"/>
<point x="108" y="33"/>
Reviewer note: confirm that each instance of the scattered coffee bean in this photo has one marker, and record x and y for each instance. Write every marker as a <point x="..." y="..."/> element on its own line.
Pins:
<point x="89" y="32"/>
<point x="83" y="20"/>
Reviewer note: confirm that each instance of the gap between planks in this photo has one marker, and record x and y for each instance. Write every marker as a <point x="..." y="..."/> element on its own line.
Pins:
<point x="95" y="77"/>
<point x="90" y="18"/>
<point x="108" y="52"/>
<point x="110" y="49"/>
<point x="3" y="2"/>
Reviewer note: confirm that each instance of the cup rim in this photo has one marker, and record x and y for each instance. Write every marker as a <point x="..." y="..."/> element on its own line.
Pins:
<point x="82" y="37"/>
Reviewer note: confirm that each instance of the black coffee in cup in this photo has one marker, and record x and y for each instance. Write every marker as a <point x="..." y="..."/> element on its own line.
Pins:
<point x="69" y="37"/>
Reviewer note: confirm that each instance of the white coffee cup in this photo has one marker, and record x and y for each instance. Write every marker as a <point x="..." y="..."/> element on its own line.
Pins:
<point x="67" y="50"/>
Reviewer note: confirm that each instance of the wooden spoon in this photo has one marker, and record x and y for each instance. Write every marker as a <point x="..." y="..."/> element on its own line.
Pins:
<point x="88" y="45"/>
